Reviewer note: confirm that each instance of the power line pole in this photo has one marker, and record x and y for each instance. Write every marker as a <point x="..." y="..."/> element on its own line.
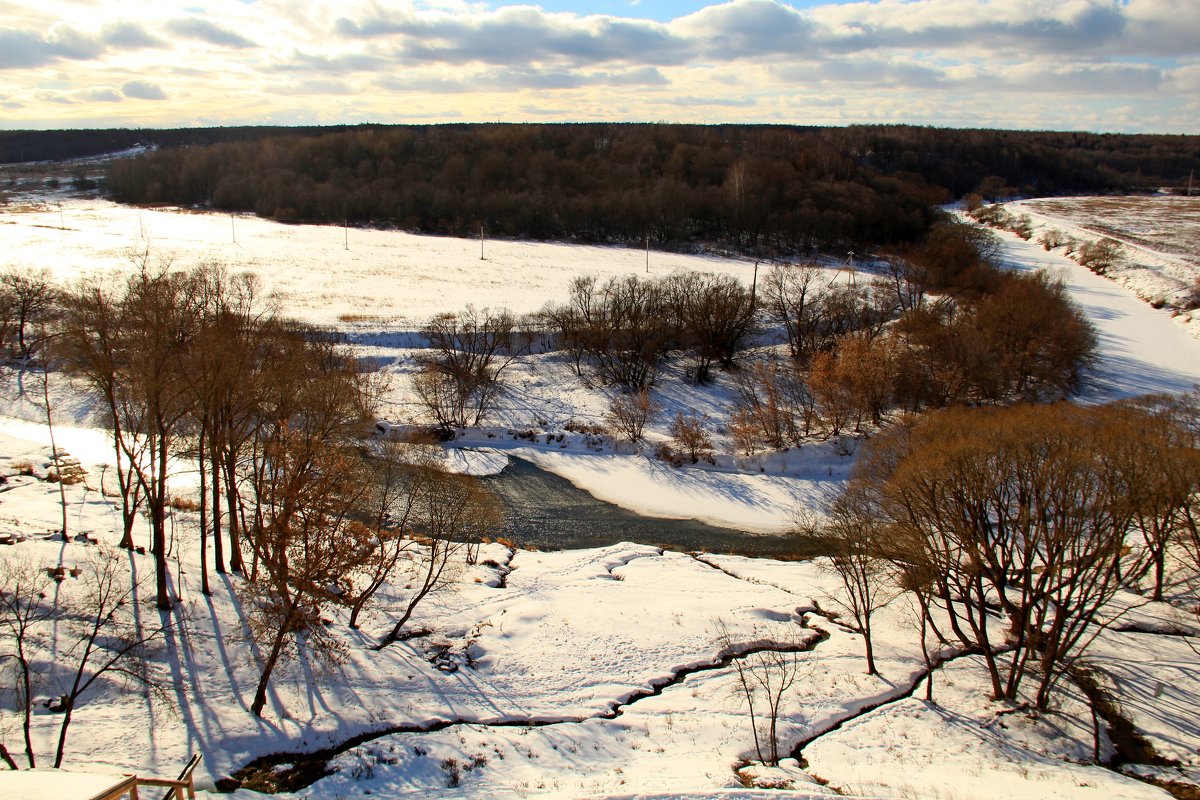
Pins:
<point x="346" y="231"/>
<point x="232" y="228"/>
<point x="647" y="254"/>
<point x="481" y="258"/>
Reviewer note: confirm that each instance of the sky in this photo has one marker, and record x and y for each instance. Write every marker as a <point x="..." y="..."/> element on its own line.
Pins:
<point x="1096" y="65"/>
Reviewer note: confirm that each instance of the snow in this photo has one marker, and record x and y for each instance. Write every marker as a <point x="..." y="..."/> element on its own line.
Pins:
<point x="38" y="784"/>
<point x="591" y="672"/>
<point x="1142" y="350"/>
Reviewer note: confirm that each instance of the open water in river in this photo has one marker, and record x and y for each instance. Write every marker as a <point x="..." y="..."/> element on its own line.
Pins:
<point x="548" y="511"/>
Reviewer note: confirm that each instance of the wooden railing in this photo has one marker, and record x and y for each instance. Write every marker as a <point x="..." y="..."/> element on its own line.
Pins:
<point x="176" y="787"/>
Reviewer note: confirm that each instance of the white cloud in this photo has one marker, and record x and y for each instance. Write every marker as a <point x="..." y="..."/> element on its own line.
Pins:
<point x="143" y="90"/>
<point x="1019" y="63"/>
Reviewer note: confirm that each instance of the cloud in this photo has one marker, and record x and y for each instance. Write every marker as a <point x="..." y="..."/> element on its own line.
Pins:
<point x="318" y="86"/>
<point x="143" y="90"/>
<point x="24" y="48"/>
<point x="746" y="28"/>
<point x="339" y="63"/>
<point x="129" y="36"/>
<point x="508" y="79"/>
<point x="1027" y="26"/>
<point x="519" y="36"/>
<point x="209" y="32"/>
<point x="102" y="95"/>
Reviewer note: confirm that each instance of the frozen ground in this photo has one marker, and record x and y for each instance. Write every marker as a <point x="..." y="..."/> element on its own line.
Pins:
<point x="593" y="672"/>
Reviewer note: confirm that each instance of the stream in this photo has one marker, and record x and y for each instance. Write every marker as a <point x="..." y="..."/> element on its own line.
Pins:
<point x="549" y="512"/>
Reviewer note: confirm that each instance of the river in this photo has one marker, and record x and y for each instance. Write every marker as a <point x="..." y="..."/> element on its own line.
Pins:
<point x="550" y="513"/>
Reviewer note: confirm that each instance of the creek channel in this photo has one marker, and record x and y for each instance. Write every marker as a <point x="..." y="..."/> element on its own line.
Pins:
<point x="550" y="513"/>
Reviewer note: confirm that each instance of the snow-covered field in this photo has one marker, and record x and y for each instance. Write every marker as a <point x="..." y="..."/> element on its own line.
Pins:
<point x="1159" y="260"/>
<point x="590" y="672"/>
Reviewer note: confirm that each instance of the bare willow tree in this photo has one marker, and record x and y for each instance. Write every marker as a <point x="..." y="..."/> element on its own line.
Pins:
<point x="70" y="642"/>
<point x="307" y="492"/>
<point x="460" y="381"/>
<point x="767" y="673"/>
<point x="449" y="512"/>
<point x="1027" y="507"/>
<point x="716" y="318"/>
<point x="398" y="475"/>
<point x="854" y="544"/>
<point x="628" y="413"/>
<point x="27" y="297"/>
<point x="223" y="369"/>
<point x="774" y="407"/>
<point x="93" y="347"/>
<point x="624" y="327"/>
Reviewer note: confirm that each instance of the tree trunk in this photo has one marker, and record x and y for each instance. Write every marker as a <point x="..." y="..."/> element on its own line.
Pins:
<point x="204" y="587"/>
<point x="214" y="458"/>
<point x="235" y="552"/>
<point x="260" y="694"/>
<point x="870" y="646"/>
<point x="158" y="516"/>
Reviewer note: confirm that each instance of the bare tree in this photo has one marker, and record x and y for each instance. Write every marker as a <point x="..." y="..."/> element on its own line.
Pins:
<point x="774" y="405"/>
<point x="690" y="435"/>
<point x="716" y="318"/>
<point x="24" y="586"/>
<point x="853" y="543"/>
<point x="1025" y="507"/>
<point x="449" y="511"/>
<point x="471" y="350"/>
<point x="766" y="674"/>
<point x="398" y="476"/>
<point x="624" y="327"/>
<point x="89" y="638"/>
<point x="27" y="297"/>
<point x="93" y="347"/>
<point x="629" y="412"/>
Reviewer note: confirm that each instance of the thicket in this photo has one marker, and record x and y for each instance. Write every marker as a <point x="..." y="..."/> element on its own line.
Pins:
<point x="939" y="325"/>
<point x="935" y="325"/>
<point x="752" y="188"/>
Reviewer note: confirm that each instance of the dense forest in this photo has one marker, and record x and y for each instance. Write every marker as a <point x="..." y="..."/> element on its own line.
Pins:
<point x="755" y="189"/>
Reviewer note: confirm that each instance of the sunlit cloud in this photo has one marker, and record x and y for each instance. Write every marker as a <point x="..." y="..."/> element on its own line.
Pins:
<point x="1111" y="64"/>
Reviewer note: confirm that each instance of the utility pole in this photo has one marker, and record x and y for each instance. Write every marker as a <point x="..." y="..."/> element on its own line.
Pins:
<point x="346" y="231"/>
<point x="754" y="285"/>
<point x="481" y="258"/>
<point x="232" y="228"/>
<point x="647" y="254"/>
<point x="62" y="221"/>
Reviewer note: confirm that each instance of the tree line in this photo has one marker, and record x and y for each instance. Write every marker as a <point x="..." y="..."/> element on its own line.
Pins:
<point x="760" y="189"/>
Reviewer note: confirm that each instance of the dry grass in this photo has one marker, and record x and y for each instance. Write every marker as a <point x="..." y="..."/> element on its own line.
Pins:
<point x="361" y="318"/>
<point x="1166" y="224"/>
